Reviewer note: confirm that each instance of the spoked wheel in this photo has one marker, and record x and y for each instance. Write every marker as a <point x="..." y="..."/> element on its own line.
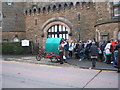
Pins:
<point x="54" y="59"/>
<point x="38" y="57"/>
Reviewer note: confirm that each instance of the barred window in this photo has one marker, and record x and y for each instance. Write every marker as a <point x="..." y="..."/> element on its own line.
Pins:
<point x="58" y="31"/>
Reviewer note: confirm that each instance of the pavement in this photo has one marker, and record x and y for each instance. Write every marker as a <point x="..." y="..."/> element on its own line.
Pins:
<point x="85" y="64"/>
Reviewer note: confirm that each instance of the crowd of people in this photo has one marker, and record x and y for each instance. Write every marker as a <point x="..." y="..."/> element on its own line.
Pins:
<point x="103" y="51"/>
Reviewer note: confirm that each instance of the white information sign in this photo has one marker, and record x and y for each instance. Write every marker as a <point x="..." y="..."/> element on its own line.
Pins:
<point x="25" y="42"/>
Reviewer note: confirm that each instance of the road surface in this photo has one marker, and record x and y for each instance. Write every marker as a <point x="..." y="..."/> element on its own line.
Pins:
<point x="24" y="75"/>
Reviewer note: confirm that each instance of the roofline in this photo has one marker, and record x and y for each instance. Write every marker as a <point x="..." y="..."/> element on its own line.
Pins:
<point x="113" y="20"/>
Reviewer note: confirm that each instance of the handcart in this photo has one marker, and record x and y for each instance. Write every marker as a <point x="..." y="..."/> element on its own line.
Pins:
<point x="51" y="50"/>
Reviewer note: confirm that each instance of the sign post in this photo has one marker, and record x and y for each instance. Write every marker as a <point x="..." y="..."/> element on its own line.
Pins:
<point x="79" y="33"/>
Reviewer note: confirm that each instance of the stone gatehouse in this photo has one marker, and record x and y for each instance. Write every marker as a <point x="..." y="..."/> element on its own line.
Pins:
<point x="69" y="20"/>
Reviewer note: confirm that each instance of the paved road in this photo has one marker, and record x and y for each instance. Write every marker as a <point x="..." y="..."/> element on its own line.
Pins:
<point x="26" y="75"/>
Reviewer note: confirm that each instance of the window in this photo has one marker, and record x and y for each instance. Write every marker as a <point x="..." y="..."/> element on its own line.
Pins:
<point x="0" y="24"/>
<point x="58" y="31"/>
<point x="36" y="21"/>
<point x="78" y="15"/>
<point x="116" y="8"/>
<point x="116" y="2"/>
<point x="0" y="19"/>
<point x="9" y="2"/>
<point x="16" y="39"/>
<point x="116" y="11"/>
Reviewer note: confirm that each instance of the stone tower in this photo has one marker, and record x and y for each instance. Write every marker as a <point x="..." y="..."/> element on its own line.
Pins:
<point x="13" y="21"/>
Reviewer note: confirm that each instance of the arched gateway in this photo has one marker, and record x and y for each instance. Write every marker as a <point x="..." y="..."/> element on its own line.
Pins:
<point x="58" y="31"/>
<point x="57" y="28"/>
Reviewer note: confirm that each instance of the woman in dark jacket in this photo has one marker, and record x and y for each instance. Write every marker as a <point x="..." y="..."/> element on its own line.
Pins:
<point x="94" y="54"/>
<point x="76" y="50"/>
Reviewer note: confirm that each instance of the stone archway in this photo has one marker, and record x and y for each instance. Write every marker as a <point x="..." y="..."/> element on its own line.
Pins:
<point x="53" y="24"/>
<point x="56" y="21"/>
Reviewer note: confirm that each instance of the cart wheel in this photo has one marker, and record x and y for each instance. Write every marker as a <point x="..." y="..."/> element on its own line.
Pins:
<point x="53" y="59"/>
<point x="38" y="57"/>
<point x="58" y="60"/>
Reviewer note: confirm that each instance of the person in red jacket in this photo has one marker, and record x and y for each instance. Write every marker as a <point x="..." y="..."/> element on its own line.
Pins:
<point x="113" y="43"/>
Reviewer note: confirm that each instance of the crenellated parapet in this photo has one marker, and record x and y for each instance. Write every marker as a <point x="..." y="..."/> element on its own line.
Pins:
<point x="47" y="8"/>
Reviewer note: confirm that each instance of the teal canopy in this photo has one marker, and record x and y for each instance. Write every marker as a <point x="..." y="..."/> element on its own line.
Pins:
<point x="52" y="44"/>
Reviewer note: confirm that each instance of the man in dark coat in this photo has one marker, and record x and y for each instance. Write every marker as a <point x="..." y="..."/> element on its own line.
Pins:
<point x="66" y="47"/>
<point x="94" y="54"/>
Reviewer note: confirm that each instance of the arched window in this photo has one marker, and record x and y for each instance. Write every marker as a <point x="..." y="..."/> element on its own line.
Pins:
<point x="30" y="11"/>
<point x="49" y="9"/>
<point x="44" y="9"/>
<point x="77" y="4"/>
<point x="34" y="11"/>
<point x="39" y="10"/>
<point x="54" y="8"/>
<point x="78" y="16"/>
<point x="71" y="5"/>
<point x="65" y="6"/>
<point x="59" y="7"/>
<point x="16" y="39"/>
<point x="58" y="31"/>
<point x="26" y="12"/>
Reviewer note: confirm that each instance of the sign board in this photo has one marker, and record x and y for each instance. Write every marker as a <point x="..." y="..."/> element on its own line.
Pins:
<point x="25" y="42"/>
<point x="78" y="29"/>
<point x="104" y="34"/>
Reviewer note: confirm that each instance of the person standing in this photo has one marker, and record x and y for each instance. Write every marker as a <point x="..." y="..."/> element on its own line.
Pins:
<point x="116" y="54"/>
<point x="94" y="54"/>
<point x="118" y="60"/>
<point x="100" y="51"/>
<point x="87" y="49"/>
<point x="61" y="52"/>
<point x="66" y="47"/>
<point x="76" y="49"/>
<point x="71" y="48"/>
<point x="81" y="51"/>
<point x="113" y="43"/>
<point x="108" y="52"/>
<point x="102" y="54"/>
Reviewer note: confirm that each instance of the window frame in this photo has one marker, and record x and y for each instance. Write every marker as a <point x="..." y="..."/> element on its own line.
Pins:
<point x="114" y="6"/>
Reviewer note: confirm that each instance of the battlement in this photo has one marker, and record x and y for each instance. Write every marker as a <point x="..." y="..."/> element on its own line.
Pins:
<point x="47" y="8"/>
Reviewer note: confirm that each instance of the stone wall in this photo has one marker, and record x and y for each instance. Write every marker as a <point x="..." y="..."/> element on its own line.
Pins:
<point x="9" y="36"/>
<point x="80" y="15"/>
<point x="108" y="31"/>
<point x="13" y="20"/>
<point x="31" y="20"/>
